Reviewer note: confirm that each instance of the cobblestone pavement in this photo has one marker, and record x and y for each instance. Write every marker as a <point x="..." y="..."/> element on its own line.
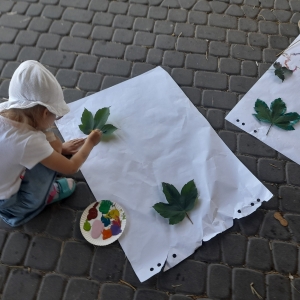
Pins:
<point x="215" y="51"/>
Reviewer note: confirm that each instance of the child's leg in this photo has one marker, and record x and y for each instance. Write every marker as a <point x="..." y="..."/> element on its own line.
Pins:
<point x="61" y="189"/>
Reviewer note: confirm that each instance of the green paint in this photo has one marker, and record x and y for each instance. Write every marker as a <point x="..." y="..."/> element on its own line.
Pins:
<point x="105" y="206"/>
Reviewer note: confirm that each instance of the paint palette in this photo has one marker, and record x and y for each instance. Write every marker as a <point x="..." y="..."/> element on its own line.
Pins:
<point x="102" y="222"/>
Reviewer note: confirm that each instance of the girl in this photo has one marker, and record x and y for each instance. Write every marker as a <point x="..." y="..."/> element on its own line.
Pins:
<point x="31" y="155"/>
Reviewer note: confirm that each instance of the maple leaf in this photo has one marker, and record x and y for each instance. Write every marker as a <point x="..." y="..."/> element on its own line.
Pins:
<point x="178" y="203"/>
<point x="276" y="114"/>
<point x="282" y="72"/>
<point x="90" y="123"/>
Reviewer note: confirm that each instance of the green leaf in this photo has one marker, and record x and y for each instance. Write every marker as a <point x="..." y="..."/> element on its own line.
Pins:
<point x="101" y="117"/>
<point x="282" y="72"/>
<point x="108" y="129"/>
<point x="179" y="204"/>
<point x="87" y="121"/>
<point x="276" y="114"/>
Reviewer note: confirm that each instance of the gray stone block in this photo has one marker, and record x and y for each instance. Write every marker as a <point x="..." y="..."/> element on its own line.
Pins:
<point x="249" y="162"/>
<point x="289" y="30"/>
<point x="48" y="41"/>
<point x="189" y="275"/>
<point x="271" y="170"/>
<point x="259" y="255"/>
<point x="230" y="66"/>
<point x="75" y="3"/>
<point x="135" y="53"/>
<point x="267" y="15"/>
<point x="187" y="4"/>
<point x="268" y="27"/>
<point x="278" y="287"/>
<point x="114" y="67"/>
<point x="26" y="38"/>
<point x="140" y="68"/>
<point x="262" y="68"/>
<point x="123" y="22"/>
<point x="144" y="38"/>
<point x="155" y="56"/>
<point x="138" y="10"/>
<point x="81" y="30"/>
<point x="249" y="68"/>
<point x="250" y="225"/>
<point x="157" y="13"/>
<point x="165" y="42"/>
<point x="177" y="15"/>
<point x="293" y="223"/>
<point x="7" y="35"/>
<point x="183" y="76"/>
<point x="193" y="94"/>
<point x="34" y="9"/>
<point x="184" y="29"/>
<point x="103" y="33"/>
<point x="110" y="291"/>
<point x="15" y="248"/>
<point x="77" y="15"/>
<point x="222" y="21"/>
<point x="4" y="89"/>
<point x="74" y="44"/>
<point x="142" y="294"/>
<point x="52" y="12"/>
<point x="229" y="138"/>
<point x="163" y="27"/>
<point x="219" y="281"/>
<point x="90" y="82"/>
<point x="218" y="6"/>
<point x="123" y="36"/>
<point x="96" y="5"/>
<point x="77" y="235"/>
<point x="218" y="49"/>
<point x="246" y="52"/>
<point x="101" y="18"/>
<point x="234" y="10"/>
<point x="285" y="257"/>
<point x="267" y="3"/>
<point x="6" y="6"/>
<point x="270" y="55"/>
<point x="210" y="33"/>
<point x="246" y="24"/>
<point x="289" y="199"/>
<point x="170" y="4"/>
<point x="241" y="84"/>
<point x="201" y="62"/>
<point x="210" y="80"/>
<point x="60" y="27"/>
<point x="202" y="6"/>
<point x="40" y="24"/>
<point x="9" y="69"/>
<point x="210" y="251"/>
<point x="39" y="223"/>
<point x="258" y="39"/>
<point x="236" y="36"/>
<point x="116" y="7"/>
<point x="272" y="229"/>
<point x="197" y="17"/>
<point x="293" y="173"/>
<point x="81" y="289"/>
<point x="9" y="51"/>
<point x="110" y="81"/>
<point x="52" y="287"/>
<point x="173" y="59"/>
<point x="58" y="59"/>
<point x="242" y="278"/>
<point x="143" y="24"/>
<point x="75" y="252"/>
<point x="191" y="45"/>
<point x="20" y="283"/>
<point x="282" y="15"/>
<point x="86" y="63"/>
<point x="216" y="118"/>
<point x="14" y="21"/>
<point x="250" y="11"/>
<point x="216" y="99"/>
<point x="108" y="49"/>
<point x="71" y="95"/>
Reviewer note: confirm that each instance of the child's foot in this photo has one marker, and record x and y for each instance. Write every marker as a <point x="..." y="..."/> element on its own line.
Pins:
<point x="62" y="188"/>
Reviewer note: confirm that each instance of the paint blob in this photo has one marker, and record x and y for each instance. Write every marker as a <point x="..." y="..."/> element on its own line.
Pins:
<point x="105" y="221"/>
<point x="106" y="234"/>
<point x="93" y="213"/>
<point x="113" y="214"/>
<point x="97" y="229"/>
<point x="105" y="206"/>
<point x="117" y="222"/>
<point x="87" y="226"/>
<point x="115" y="229"/>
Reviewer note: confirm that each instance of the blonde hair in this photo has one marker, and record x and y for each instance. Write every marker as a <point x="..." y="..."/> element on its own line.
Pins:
<point x="31" y="116"/>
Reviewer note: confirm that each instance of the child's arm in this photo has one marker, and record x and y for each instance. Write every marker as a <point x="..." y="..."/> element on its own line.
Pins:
<point x="61" y="164"/>
<point x="54" y="141"/>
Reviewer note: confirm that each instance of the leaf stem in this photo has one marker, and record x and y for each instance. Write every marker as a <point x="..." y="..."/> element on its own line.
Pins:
<point x="189" y="218"/>
<point x="269" y="128"/>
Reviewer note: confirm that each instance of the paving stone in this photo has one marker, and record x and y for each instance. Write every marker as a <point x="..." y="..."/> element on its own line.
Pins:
<point x="193" y="94"/>
<point x="210" y="251"/>
<point x="48" y="41"/>
<point x="174" y="59"/>
<point x="278" y="42"/>
<point x="20" y="7"/>
<point x="81" y="198"/>
<point x="234" y="249"/>
<point x="285" y="257"/>
<point x="20" y="283"/>
<point x="61" y="27"/>
<point x="102" y="33"/>
<point x="229" y="138"/>
<point x="242" y="278"/>
<point x="293" y="173"/>
<point x="234" y="10"/>
<point x="216" y="99"/>
<point x="77" y="15"/>
<point x="105" y="19"/>
<point x="147" y="294"/>
<point x="75" y="3"/>
<point x="295" y="5"/>
<point x="15" y="248"/>
<point x="7" y="35"/>
<point x="210" y="80"/>
<point x="76" y="228"/>
<point x="273" y="203"/>
<point x="246" y="52"/>
<point x="43" y="253"/>
<point x="143" y="24"/>
<point x="271" y="170"/>
<point x="249" y="162"/>
<point x="289" y="199"/>
<point x="197" y="17"/>
<point x="3" y="236"/>
<point x="102" y="48"/>
<point x="81" y="30"/>
<point x="61" y="223"/>
<point x="189" y="274"/>
<point x="116" y="7"/>
<point x="107" y="264"/>
<point x="123" y="22"/>
<point x="9" y="69"/>
<point x="278" y="287"/>
<point x="74" y="44"/>
<point x="98" y="6"/>
<point x="9" y="51"/>
<point x="115" y="291"/>
<point x="140" y="68"/>
<point x="247" y="144"/>
<point x="157" y="13"/>
<point x="183" y="76"/>
<point x="258" y="39"/>
<point x="90" y="82"/>
<point x="163" y="27"/>
<point x="75" y="252"/>
<point x="295" y="18"/>
<point x="180" y="297"/>
<point x="39" y="223"/>
<point x="210" y="33"/>
<point x="282" y="15"/>
<point x="270" y="55"/>
<point x="216" y="118"/>
<point x="155" y="56"/>
<point x="52" y="287"/>
<point x="81" y="289"/>
<point x="58" y="59"/>
<point x="230" y="66"/>
<point x="294" y="223"/>
<point x="187" y="4"/>
<point x="52" y="12"/>
<point x="262" y="68"/>
<point x="170" y="4"/>
<point x="52" y="2"/>
<point x="29" y="53"/>
<point x="123" y="36"/>
<point x="250" y="11"/>
<point x="290" y="30"/>
<point x="4" y="91"/>
<point x="138" y="10"/>
<point x="40" y="24"/>
<point x="130" y="277"/>
<point x="27" y="38"/>
<point x="201" y="62"/>
<point x="222" y="21"/>
<point x="259" y="255"/>
<point x="191" y="45"/>
<point x="110" y="81"/>
<point x="218" y="6"/>
<point x="165" y="42"/>
<point x="177" y="15"/>
<point x="6" y="6"/>
<point x="86" y="63"/>
<point x="272" y="229"/>
<point x="241" y="84"/>
<point x="268" y="27"/>
<point x="144" y="38"/>
<point x="3" y="275"/>
<point x="250" y="225"/>
<point x="14" y="21"/>
<point x="267" y="15"/>
<point x="218" y="49"/>
<point x="202" y="6"/>
<point x="182" y="29"/>
<point x="71" y="95"/>
<point x="135" y="53"/>
<point x="249" y="68"/>
<point x="246" y="24"/>
<point x="219" y="281"/>
<point x="267" y="3"/>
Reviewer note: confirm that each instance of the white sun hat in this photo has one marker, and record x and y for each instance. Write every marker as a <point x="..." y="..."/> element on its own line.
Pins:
<point x="32" y="84"/>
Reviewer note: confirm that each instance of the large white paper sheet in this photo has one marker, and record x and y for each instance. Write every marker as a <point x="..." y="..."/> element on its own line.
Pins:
<point x="268" y="88"/>
<point x="162" y="137"/>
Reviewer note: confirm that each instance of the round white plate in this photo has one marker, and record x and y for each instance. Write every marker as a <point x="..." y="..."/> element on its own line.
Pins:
<point x="99" y="241"/>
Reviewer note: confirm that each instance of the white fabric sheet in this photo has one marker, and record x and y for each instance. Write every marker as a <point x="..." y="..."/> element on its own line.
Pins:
<point x="162" y="137"/>
<point x="268" y="88"/>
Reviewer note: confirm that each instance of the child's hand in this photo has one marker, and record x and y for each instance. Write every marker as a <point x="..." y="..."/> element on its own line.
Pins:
<point x="72" y="146"/>
<point x="94" y="137"/>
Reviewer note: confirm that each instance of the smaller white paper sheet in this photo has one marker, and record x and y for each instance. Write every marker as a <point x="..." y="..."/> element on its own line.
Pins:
<point x="162" y="137"/>
<point x="268" y="88"/>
